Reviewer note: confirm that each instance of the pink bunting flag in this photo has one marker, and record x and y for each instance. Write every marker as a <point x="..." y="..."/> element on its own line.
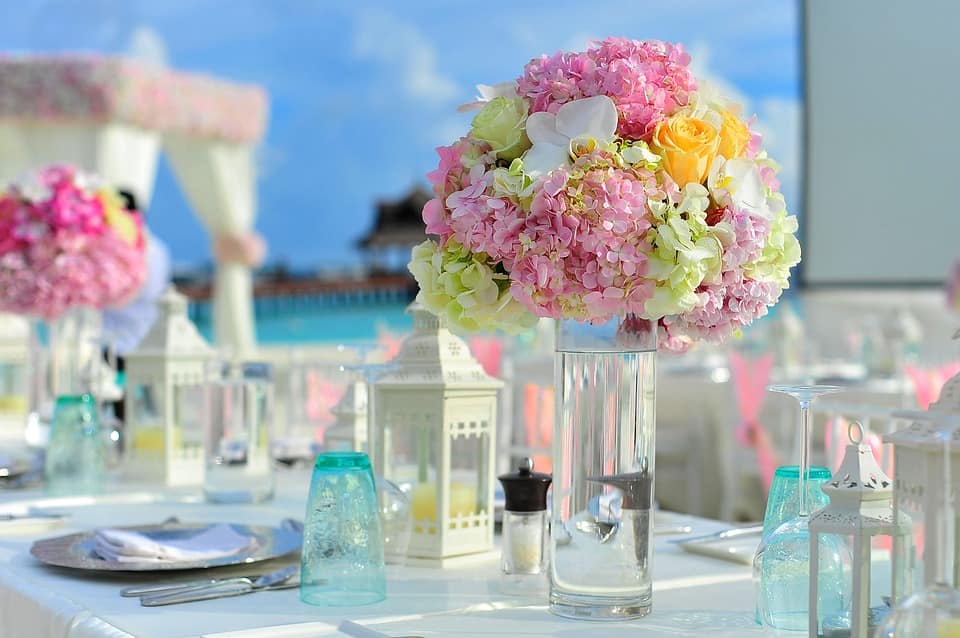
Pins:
<point x="750" y="379"/>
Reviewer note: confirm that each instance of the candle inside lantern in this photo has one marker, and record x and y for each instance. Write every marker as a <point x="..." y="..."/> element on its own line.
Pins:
<point x="149" y="439"/>
<point x="13" y="404"/>
<point x="463" y="501"/>
<point x="948" y="628"/>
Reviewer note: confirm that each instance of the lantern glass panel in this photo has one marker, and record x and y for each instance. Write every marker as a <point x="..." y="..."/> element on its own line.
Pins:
<point x="468" y="477"/>
<point x="149" y="433"/>
<point x="411" y="460"/>
<point x="912" y="551"/>
<point x="190" y="407"/>
<point x="13" y="388"/>
<point x="834" y="582"/>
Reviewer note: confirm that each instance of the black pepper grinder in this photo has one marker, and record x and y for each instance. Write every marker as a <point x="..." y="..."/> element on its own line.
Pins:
<point x="523" y="564"/>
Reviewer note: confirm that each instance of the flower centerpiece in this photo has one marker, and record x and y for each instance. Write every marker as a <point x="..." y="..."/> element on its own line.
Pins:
<point x="68" y="245"/>
<point x="601" y="186"/>
<point x="604" y="183"/>
<point x="67" y="242"/>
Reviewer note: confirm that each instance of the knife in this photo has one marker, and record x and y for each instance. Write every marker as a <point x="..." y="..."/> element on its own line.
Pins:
<point x="169" y="588"/>
<point x="280" y="579"/>
<point x="753" y="530"/>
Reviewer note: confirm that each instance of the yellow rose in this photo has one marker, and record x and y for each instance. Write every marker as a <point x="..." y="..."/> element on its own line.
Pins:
<point x="118" y="218"/>
<point x="687" y="146"/>
<point x="734" y="136"/>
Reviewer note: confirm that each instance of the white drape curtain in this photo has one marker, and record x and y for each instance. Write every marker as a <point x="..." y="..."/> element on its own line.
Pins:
<point x="219" y="182"/>
<point x="125" y="156"/>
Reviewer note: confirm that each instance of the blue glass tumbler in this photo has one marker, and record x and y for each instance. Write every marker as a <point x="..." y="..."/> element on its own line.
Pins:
<point x="74" y="463"/>
<point x="342" y="558"/>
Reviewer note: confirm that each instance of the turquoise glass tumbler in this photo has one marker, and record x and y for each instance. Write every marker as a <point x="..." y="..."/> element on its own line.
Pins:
<point x="783" y="504"/>
<point x="74" y="463"/>
<point x="342" y="558"/>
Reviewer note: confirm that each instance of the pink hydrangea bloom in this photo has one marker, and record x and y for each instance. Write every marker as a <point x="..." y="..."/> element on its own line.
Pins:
<point x="58" y="252"/>
<point x="750" y="234"/>
<point x="648" y="81"/>
<point x="725" y="308"/>
<point x="450" y="177"/>
<point x="583" y="245"/>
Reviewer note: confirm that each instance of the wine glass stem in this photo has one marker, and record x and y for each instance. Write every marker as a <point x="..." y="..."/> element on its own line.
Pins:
<point x="804" y="457"/>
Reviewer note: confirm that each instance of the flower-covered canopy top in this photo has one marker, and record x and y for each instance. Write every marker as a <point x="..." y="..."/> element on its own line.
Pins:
<point x="92" y="88"/>
<point x="604" y="183"/>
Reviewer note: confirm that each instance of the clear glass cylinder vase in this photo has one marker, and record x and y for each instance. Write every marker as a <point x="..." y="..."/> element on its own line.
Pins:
<point x="73" y="357"/>
<point x="603" y="469"/>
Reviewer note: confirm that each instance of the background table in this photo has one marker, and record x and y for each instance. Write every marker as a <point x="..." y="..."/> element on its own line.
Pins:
<point x="693" y="595"/>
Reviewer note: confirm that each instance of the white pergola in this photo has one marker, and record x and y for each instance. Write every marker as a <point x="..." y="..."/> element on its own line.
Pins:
<point x="113" y="116"/>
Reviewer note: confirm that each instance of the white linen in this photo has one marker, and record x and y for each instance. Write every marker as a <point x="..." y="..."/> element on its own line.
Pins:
<point x="693" y="595"/>
<point x="128" y="546"/>
<point x="218" y="179"/>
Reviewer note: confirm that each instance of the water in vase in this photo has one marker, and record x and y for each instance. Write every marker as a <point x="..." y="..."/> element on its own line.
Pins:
<point x="603" y="484"/>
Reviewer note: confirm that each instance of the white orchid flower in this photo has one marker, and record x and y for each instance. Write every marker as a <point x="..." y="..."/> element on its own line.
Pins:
<point x="741" y="179"/>
<point x="577" y="128"/>
<point x="487" y="93"/>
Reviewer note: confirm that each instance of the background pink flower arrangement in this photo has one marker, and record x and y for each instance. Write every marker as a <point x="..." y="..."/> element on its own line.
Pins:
<point x="66" y="242"/>
<point x="604" y="183"/>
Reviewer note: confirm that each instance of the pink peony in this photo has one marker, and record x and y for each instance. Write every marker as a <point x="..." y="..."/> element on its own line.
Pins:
<point x="648" y="81"/>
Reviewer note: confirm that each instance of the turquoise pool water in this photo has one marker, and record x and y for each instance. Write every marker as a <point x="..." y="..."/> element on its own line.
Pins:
<point x="326" y="325"/>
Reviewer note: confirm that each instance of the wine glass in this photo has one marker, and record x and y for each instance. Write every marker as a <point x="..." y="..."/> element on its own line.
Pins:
<point x="784" y="556"/>
<point x="369" y="367"/>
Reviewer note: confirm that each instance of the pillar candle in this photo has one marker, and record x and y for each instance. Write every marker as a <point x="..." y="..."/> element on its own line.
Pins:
<point x="463" y="501"/>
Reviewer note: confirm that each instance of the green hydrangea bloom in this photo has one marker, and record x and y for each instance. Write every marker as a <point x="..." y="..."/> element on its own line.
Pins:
<point x="684" y="253"/>
<point x="780" y="254"/>
<point x="466" y="290"/>
<point x="512" y="182"/>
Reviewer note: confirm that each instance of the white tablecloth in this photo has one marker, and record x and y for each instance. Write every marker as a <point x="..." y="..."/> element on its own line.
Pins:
<point x="693" y="595"/>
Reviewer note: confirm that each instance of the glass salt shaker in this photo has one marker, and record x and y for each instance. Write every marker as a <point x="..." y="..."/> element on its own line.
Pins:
<point x="523" y="563"/>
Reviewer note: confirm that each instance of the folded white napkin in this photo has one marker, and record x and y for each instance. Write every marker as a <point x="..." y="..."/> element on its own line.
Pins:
<point x="126" y="546"/>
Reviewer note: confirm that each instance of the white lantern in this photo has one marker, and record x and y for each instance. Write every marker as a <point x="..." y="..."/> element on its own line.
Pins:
<point x="920" y="484"/>
<point x="860" y="510"/>
<point x="435" y="434"/>
<point x="349" y="431"/>
<point x="164" y="398"/>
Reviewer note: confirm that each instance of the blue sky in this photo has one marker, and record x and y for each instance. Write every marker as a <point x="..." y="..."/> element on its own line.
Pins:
<point x="362" y="91"/>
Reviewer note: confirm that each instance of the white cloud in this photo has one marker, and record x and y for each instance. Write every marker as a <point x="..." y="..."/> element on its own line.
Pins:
<point x="147" y="46"/>
<point x="404" y="51"/>
<point x="700" y="66"/>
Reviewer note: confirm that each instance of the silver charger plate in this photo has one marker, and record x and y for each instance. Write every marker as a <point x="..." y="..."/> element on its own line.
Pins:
<point x="76" y="550"/>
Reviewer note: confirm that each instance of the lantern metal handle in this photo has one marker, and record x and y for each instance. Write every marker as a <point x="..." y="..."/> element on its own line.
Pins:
<point x="855" y="432"/>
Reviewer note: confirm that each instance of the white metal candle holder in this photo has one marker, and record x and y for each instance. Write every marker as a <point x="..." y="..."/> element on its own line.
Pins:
<point x="164" y="398"/>
<point x="435" y="434"/>
<point x="860" y="510"/>
<point x="920" y="488"/>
